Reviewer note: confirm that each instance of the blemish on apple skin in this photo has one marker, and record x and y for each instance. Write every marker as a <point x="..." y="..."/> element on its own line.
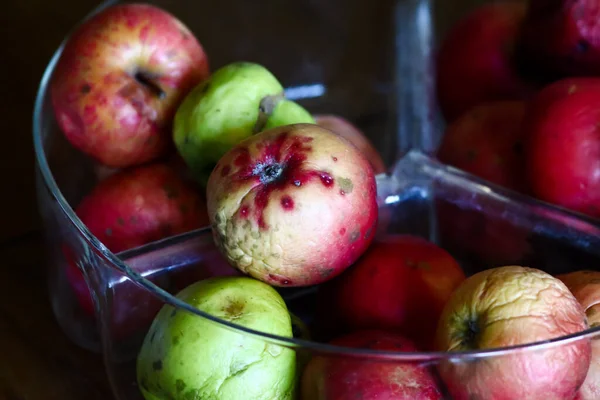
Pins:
<point x="244" y="211"/>
<point x="354" y="236"/>
<point x="281" y="281"/>
<point x="287" y="203"/>
<point x="342" y="231"/>
<point x="157" y="365"/>
<point x="334" y="159"/>
<point x="86" y="88"/>
<point x="108" y="232"/>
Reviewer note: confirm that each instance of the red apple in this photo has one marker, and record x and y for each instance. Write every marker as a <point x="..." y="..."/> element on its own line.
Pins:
<point x="294" y="205"/>
<point x="585" y="286"/>
<point x="346" y="129"/>
<point x="563" y="147"/>
<point x="561" y="38"/>
<point x="510" y="306"/>
<point x="345" y="378"/>
<point x="120" y="79"/>
<point x="475" y="62"/>
<point x="137" y="206"/>
<point x="401" y="283"/>
<point x="486" y="141"/>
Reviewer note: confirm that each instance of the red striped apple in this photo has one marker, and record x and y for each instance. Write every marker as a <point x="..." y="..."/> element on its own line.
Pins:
<point x="293" y="206"/>
<point x="120" y="79"/>
<point x="345" y="378"/>
<point x="509" y="306"/>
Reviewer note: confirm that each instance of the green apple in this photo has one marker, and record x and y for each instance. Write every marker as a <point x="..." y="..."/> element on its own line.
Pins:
<point x="185" y="356"/>
<point x="287" y="112"/>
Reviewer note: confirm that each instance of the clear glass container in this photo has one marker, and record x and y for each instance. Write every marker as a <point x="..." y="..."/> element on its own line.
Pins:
<point x="331" y="58"/>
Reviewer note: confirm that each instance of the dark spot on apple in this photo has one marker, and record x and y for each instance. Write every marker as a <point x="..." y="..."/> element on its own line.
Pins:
<point x="346" y="184"/>
<point x="354" y="236"/>
<point x="368" y="233"/>
<point x="173" y="313"/>
<point x="176" y="340"/>
<point x="120" y="221"/>
<point x="470" y="333"/>
<point x="234" y="309"/>
<point x="157" y="365"/>
<point x="86" y="88"/>
<point x="108" y="232"/>
<point x="326" y="179"/>
<point x="342" y="192"/>
<point x="180" y="385"/>
<point x="342" y="231"/>
<point x="334" y="159"/>
<point x="279" y="280"/>
<point x="205" y="88"/>
<point x="287" y="203"/>
<point x="326" y="272"/>
<point x="244" y="211"/>
<point x="225" y="170"/>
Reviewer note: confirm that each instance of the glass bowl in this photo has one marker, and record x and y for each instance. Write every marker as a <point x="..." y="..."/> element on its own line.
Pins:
<point x="331" y="68"/>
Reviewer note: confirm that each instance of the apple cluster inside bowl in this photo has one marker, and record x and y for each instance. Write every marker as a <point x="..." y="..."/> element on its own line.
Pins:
<point x="518" y="85"/>
<point x="291" y="200"/>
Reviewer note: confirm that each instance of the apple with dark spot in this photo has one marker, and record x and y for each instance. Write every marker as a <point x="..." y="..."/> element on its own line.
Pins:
<point x="345" y="128"/>
<point x="476" y="61"/>
<point x="511" y="306"/>
<point x="487" y="141"/>
<point x="120" y="79"/>
<point x="401" y="283"/>
<point x="563" y="146"/>
<point x="344" y="378"/>
<point x="293" y="206"/>
<point x="585" y="286"/>
<point x="128" y="209"/>
<point x="561" y="38"/>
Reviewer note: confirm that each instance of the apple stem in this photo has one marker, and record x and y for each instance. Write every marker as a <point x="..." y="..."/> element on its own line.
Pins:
<point x="265" y="110"/>
<point x="146" y="80"/>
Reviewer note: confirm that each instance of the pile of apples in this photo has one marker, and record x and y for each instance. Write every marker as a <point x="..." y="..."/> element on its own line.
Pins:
<point x="291" y="201"/>
<point x="518" y="83"/>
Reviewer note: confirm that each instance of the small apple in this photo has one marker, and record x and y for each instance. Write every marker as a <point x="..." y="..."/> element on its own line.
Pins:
<point x="120" y="79"/>
<point x="293" y="206"/>
<point x="486" y="141"/>
<point x="344" y="378"/>
<point x="134" y="207"/>
<point x="185" y="356"/>
<point x="509" y="306"/>
<point x="233" y="104"/>
<point x="562" y="147"/>
<point x="561" y="38"/>
<point x="585" y="286"/>
<point x="475" y="62"/>
<point x="401" y="283"/>
<point x="345" y="128"/>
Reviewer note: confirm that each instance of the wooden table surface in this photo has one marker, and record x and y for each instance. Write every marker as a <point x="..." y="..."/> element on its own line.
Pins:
<point x="37" y="361"/>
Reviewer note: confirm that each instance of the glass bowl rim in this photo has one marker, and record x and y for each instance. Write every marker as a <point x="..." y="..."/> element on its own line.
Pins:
<point x="170" y="299"/>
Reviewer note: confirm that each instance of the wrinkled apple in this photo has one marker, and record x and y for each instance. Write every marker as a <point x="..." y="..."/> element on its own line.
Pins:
<point x="585" y="286"/>
<point x="134" y="207"/>
<point x="344" y="378"/>
<point x="563" y="147"/>
<point x="293" y="206"/>
<point x="346" y="129"/>
<point x="509" y="306"/>
<point x="401" y="283"/>
<point x="475" y="63"/>
<point x="185" y="356"/>
<point x="561" y="38"/>
<point x="120" y="79"/>
<point x="487" y="141"/>
<point x="233" y="104"/>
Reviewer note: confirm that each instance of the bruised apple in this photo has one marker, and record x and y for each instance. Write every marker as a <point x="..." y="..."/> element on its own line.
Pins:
<point x="585" y="286"/>
<point x="340" y="378"/>
<point x="475" y="62"/>
<point x="487" y="142"/>
<point x="563" y="146"/>
<point x="401" y="283"/>
<point x="293" y="206"/>
<point x="561" y="38"/>
<point x="120" y="79"/>
<point x="509" y="306"/>
<point x="134" y="207"/>
<point x="345" y="128"/>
